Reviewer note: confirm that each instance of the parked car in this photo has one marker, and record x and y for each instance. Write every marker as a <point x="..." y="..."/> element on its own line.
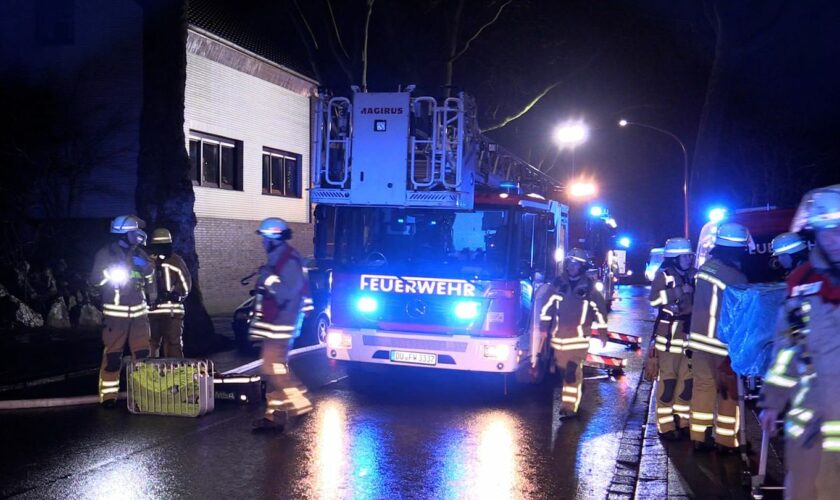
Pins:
<point x="314" y="331"/>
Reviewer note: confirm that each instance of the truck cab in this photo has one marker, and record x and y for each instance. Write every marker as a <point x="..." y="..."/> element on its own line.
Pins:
<point x="435" y="237"/>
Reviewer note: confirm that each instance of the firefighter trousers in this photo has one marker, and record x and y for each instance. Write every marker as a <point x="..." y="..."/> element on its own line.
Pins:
<point x="673" y="392"/>
<point x="115" y="334"/>
<point x="166" y="340"/>
<point x="283" y="390"/>
<point x="709" y="407"/>
<point x="569" y="366"/>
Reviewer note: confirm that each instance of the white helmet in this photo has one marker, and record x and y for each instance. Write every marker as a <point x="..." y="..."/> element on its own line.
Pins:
<point x="161" y="235"/>
<point x="675" y="247"/>
<point x="275" y="228"/>
<point x="787" y="243"/>
<point x="578" y="255"/>
<point x="125" y="223"/>
<point x="732" y="234"/>
<point x="819" y="209"/>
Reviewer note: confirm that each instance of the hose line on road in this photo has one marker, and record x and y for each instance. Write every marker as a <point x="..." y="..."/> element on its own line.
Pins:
<point x="32" y="404"/>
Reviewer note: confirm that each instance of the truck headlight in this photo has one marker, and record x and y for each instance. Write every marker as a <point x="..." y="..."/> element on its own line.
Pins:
<point x="336" y="339"/>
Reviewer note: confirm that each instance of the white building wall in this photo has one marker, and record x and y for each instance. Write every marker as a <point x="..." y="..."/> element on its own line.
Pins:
<point x="230" y="103"/>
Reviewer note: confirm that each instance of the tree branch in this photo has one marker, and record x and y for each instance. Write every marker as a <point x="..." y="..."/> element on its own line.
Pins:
<point x="365" y="53"/>
<point x="306" y="23"/>
<point x="335" y="27"/>
<point x="480" y="30"/>
<point x="522" y="111"/>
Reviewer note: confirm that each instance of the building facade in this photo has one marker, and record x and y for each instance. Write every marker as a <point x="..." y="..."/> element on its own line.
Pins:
<point x="247" y="121"/>
<point x="248" y="132"/>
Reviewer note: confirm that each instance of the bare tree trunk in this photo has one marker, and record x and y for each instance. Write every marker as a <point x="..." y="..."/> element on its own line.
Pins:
<point x="164" y="195"/>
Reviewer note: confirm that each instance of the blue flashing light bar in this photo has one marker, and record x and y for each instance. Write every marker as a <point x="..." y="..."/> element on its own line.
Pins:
<point x="467" y="309"/>
<point x="367" y="305"/>
<point x="717" y="214"/>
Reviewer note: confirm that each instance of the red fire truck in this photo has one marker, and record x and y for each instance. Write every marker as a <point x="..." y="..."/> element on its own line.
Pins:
<point x="435" y="236"/>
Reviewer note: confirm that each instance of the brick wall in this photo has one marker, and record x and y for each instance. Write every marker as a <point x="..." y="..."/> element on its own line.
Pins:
<point x="228" y="250"/>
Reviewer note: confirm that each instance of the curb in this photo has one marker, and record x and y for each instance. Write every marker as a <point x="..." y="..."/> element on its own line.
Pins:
<point x="625" y="482"/>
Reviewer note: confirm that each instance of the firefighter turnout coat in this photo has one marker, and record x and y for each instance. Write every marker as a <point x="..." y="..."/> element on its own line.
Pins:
<point x="674" y="387"/>
<point x="569" y="311"/>
<point x="805" y="372"/>
<point x="712" y="407"/>
<point x="126" y="279"/>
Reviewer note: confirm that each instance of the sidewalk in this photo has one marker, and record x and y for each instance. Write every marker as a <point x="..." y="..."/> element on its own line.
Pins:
<point x="52" y="363"/>
<point x="650" y="468"/>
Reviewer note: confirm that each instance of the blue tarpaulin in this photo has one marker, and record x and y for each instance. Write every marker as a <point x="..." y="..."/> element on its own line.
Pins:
<point x="748" y="325"/>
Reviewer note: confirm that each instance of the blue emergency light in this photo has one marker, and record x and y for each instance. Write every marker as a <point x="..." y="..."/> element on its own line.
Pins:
<point x="624" y="242"/>
<point x="717" y="214"/>
<point x="367" y="305"/>
<point x="467" y="309"/>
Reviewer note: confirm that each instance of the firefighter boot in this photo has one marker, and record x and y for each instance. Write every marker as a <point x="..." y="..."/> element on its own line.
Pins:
<point x="273" y="422"/>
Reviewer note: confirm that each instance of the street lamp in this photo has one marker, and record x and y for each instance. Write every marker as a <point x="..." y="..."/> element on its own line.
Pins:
<point x="582" y="189"/>
<point x="625" y="123"/>
<point x="570" y="135"/>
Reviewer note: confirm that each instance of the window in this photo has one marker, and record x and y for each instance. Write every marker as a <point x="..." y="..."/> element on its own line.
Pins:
<point x="281" y="173"/>
<point x="215" y="161"/>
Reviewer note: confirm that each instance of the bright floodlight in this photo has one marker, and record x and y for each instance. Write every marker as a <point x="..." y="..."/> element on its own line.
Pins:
<point x="582" y="189"/>
<point x="622" y="123"/>
<point x="611" y="222"/>
<point x="717" y="214"/>
<point x="596" y="211"/>
<point x="570" y="134"/>
<point x="624" y="242"/>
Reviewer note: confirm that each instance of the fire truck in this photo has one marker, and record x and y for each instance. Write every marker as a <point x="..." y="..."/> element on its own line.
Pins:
<point x="435" y="236"/>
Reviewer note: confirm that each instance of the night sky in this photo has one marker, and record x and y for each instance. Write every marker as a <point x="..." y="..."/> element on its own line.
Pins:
<point x="773" y="104"/>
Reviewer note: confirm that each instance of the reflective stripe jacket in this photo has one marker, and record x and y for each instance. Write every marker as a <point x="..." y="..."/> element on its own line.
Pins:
<point x="126" y="278"/>
<point x="666" y="294"/>
<point x="818" y="350"/>
<point x="172" y="278"/>
<point x="283" y="287"/>
<point x="570" y="309"/>
<point x="710" y="281"/>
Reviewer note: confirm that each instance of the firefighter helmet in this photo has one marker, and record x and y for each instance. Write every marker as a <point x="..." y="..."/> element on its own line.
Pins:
<point x="819" y="209"/>
<point x="578" y="255"/>
<point x="275" y="228"/>
<point x="732" y="234"/>
<point x="161" y="235"/>
<point x="125" y="223"/>
<point x="787" y="243"/>
<point x="675" y="247"/>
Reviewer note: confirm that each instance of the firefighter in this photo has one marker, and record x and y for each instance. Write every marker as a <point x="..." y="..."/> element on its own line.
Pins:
<point x="570" y="308"/>
<point x="790" y="251"/>
<point x="280" y="303"/>
<point x="173" y="282"/>
<point x="125" y="275"/>
<point x="805" y="371"/>
<point x="714" y="405"/>
<point x="672" y="292"/>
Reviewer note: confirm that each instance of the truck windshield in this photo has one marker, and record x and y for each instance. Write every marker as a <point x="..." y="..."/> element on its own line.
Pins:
<point x="426" y="242"/>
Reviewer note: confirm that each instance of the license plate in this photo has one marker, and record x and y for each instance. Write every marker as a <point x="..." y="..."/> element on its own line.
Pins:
<point x="417" y="358"/>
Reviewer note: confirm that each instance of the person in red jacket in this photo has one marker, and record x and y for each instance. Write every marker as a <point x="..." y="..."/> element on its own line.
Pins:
<point x="280" y="302"/>
<point x="804" y="372"/>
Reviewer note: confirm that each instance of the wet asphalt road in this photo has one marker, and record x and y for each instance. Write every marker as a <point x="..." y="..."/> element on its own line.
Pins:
<point x="405" y="434"/>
